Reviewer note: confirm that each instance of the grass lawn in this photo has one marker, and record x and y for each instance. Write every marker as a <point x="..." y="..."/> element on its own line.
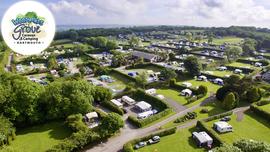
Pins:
<point x="172" y="94"/>
<point x="265" y="107"/>
<point x="181" y="141"/>
<point x="251" y="127"/>
<point x="41" y="137"/>
<point x="226" y="39"/>
<point x="214" y="108"/>
<point x="118" y="84"/>
<point x="212" y="88"/>
<point x="243" y="65"/>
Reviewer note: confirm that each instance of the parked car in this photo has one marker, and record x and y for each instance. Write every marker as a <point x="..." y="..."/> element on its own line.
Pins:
<point x="140" y="144"/>
<point x="154" y="140"/>
<point x="227" y="118"/>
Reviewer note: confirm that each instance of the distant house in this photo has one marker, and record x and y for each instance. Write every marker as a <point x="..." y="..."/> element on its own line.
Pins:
<point x="222" y="127"/>
<point x="143" y="106"/>
<point x="202" y="139"/>
<point x="146" y="56"/>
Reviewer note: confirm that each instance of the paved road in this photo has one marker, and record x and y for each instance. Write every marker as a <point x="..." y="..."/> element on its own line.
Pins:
<point x="115" y="144"/>
<point x="176" y="106"/>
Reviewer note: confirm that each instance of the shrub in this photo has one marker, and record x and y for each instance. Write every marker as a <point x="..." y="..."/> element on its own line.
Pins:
<point x="260" y="112"/>
<point x="188" y="116"/>
<point x="113" y="107"/>
<point x="204" y="110"/>
<point x="230" y="101"/>
<point x="253" y="95"/>
<point x="202" y="90"/>
<point x="218" y="116"/>
<point x="75" y="122"/>
<point x="252" y="146"/>
<point x="263" y="102"/>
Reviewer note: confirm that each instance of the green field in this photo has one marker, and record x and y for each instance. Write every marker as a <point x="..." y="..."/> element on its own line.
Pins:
<point x="250" y="127"/>
<point x="212" y="88"/>
<point x="265" y="107"/>
<point x="214" y="108"/>
<point x="226" y="39"/>
<point x="118" y="84"/>
<point x="181" y="141"/>
<point x="40" y="138"/>
<point x="172" y="94"/>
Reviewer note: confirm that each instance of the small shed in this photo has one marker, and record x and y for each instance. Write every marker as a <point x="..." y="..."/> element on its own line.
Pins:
<point x="117" y="103"/>
<point x="143" y="106"/>
<point x="128" y="100"/>
<point x="222" y="127"/>
<point x="202" y="139"/>
<point x="151" y="91"/>
<point x="186" y="92"/>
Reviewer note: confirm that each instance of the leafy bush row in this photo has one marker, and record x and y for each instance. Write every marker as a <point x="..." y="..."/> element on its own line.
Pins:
<point x="245" y="70"/>
<point x="143" y="122"/>
<point x="217" y="141"/>
<point x="128" y="147"/>
<point x="132" y="79"/>
<point x="186" y="117"/>
<point x="218" y="116"/>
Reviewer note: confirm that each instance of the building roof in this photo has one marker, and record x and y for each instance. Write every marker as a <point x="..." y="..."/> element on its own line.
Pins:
<point x="144" y="55"/>
<point x="143" y="105"/>
<point x="128" y="100"/>
<point x="91" y="115"/>
<point x="203" y="137"/>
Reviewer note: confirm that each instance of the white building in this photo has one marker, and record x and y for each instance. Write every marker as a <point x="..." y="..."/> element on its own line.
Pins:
<point x="143" y="106"/>
<point x="117" y="103"/>
<point x="222" y="127"/>
<point x="202" y="139"/>
<point x="128" y="100"/>
<point x="151" y="91"/>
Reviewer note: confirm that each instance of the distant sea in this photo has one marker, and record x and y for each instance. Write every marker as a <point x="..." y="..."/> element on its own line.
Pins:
<point x="77" y="27"/>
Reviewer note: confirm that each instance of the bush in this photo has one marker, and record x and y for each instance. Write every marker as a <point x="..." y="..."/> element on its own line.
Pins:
<point x="230" y="101"/>
<point x="188" y="116"/>
<point x="247" y="145"/>
<point x="202" y="90"/>
<point x="204" y="110"/>
<point x="263" y="102"/>
<point x="128" y="147"/>
<point x="253" y="95"/>
<point x="75" y="122"/>
<point x="218" y="116"/>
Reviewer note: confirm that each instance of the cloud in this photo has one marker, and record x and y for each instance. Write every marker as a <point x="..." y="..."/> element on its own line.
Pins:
<point x="172" y="12"/>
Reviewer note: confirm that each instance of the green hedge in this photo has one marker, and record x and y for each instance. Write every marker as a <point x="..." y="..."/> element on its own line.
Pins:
<point x="256" y="109"/>
<point x="218" y="116"/>
<point x="112" y="107"/>
<point x="3" y="59"/>
<point x="245" y="70"/>
<point x="143" y="122"/>
<point x="145" y="65"/>
<point x="128" y="147"/>
<point x="216" y="140"/>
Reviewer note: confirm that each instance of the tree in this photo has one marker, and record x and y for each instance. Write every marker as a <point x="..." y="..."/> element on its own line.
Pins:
<point x="202" y="90"/>
<point x="249" y="46"/>
<point x="52" y="62"/>
<point x="111" y="45"/>
<point x="141" y="79"/>
<point x="192" y="65"/>
<point x="167" y="74"/>
<point x="233" y="52"/>
<point x="248" y="145"/>
<point x="102" y="94"/>
<point x="134" y="41"/>
<point x="82" y="70"/>
<point x="101" y="42"/>
<point x="119" y="60"/>
<point x="222" y="92"/>
<point x="6" y="130"/>
<point x="63" y="98"/>
<point x="232" y="80"/>
<point x="199" y="38"/>
<point x="74" y="35"/>
<point x="110" y="124"/>
<point x="230" y="101"/>
<point x="189" y="36"/>
<point x="253" y="94"/>
<point x="210" y="39"/>
<point x="226" y="148"/>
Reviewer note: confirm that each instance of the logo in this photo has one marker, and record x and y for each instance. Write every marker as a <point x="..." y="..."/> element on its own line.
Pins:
<point x="28" y="27"/>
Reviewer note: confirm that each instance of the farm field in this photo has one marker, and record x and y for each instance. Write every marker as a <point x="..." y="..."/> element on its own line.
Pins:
<point x="41" y="137"/>
<point x="181" y="141"/>
<point x="226" y="39"/>
<point x="243" y="65"/>
<point x="251" y="126"/>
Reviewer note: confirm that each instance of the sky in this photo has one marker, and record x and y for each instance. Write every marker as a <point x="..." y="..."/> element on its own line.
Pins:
<point x="157" y="12"/>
